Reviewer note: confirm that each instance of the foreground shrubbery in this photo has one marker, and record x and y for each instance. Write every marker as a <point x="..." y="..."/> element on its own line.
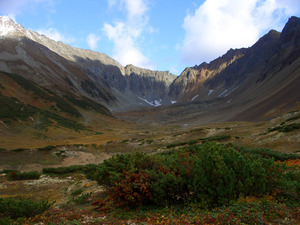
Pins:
<point x="14" y="208"/>
<point x="243" y="211"/>
<point x="208" y="183"/>
<point x="208" y="175"/>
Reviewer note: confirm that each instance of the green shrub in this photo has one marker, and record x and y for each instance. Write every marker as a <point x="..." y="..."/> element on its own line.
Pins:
<point x="63" y="170"/>
<point x="21" y="207"/>
<point x="8" y="171"/>
<point x="293" y="118"/>
<point x="176" y="144"/>
<point x="76" y="192"/>
<point x="15" y="175"/>
<point x="269" y="153"/>
<point x="192" y="142"/>
<point x="70" y="169"/>
<point x="210" y="174"/>
<point x="290" y="127"/>
<point x="6" y="221"/>
<point x="217" y="138"/>
<point x="47" y="148"/>
<point x="81" y="199"/>
<point x="19" y="149"/>
<point x="285" y="128"/>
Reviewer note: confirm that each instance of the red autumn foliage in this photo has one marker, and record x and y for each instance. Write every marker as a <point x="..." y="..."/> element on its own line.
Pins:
<point x="133" y="190"/>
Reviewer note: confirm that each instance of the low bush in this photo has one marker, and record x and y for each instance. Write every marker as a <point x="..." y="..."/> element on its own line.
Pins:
<point x="285" y="128"/>
<point x="217" y="138"/>
<point x="15" y="175"/>
<point x="19" y="149"/>
<point x="176" y="144"/>
<point x="81" y="199"/>
<point x="192" y="142"/>
<point x="269" y="153"/>
<point x="47" y="148"/>
<point x="62" y="170"/>
<point x="76" y="192"/>
<point x="209" y="174"/>
<point x="20" y="207"/>
<point x="293" y="118"/>
<point x="290" y="127"/>
<point x="69" y="169"/>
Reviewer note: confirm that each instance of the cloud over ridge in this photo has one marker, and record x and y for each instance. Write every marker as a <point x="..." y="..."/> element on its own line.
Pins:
<point x="218" y="25"/>
<point x="126" y="34"/>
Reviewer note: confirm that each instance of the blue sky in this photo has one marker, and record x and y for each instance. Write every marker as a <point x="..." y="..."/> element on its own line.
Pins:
<point x="155" y="34"/>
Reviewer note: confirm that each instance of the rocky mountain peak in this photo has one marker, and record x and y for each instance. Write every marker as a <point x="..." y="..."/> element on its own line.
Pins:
<point x="192" y="78"/>
<point x="8" y="27"/>
<point x="290" y="34"/>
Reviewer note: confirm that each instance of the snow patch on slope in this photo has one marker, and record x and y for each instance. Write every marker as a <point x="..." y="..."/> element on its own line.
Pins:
<point x="221" y="95"/>
<point x="194" y="98"/>
<point x="154" y="103"/>
<point x="210" y="91"/>
<point x="231" y="91"/>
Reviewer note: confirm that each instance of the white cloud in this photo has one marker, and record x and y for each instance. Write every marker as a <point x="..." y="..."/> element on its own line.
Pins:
<point x="55" y="35"/>
<point x="111" y="3"/>
<point x="136" y="9"/>
<point x="92" y="41"/>
<point x="125" y="50"/>
<point x="218" y="25"/>
<point x="126" y="35"/>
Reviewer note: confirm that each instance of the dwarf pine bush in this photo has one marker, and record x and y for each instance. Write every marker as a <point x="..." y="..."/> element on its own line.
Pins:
<point x="209" y="174"/>
<point x="20" y="207"/>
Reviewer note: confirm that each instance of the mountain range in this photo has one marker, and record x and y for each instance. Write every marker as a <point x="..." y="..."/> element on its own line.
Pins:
<point x="58" y="81"/>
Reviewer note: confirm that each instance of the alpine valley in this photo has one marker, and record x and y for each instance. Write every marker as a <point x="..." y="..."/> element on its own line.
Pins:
<point x="62" y="106"/>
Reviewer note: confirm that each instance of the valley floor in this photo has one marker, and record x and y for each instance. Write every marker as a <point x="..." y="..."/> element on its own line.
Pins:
<point x="62" y="148"/>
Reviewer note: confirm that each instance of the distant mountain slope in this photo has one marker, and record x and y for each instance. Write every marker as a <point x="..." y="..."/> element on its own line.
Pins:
<point x="84" y="72"/>
<point x="23" y="101"/>
<point x="242" y="84"/>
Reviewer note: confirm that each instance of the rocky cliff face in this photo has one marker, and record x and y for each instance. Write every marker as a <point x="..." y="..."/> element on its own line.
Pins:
<point x="149" y="86"/>
<point x="191" y="81"/>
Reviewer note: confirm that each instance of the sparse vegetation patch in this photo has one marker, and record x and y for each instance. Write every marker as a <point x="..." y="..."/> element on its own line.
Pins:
<point x="285" y="128"/>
